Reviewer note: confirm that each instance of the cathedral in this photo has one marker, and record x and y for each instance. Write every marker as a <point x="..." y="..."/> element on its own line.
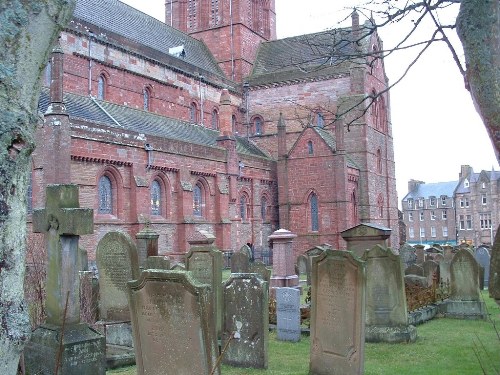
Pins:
<point x="207" y="121"/>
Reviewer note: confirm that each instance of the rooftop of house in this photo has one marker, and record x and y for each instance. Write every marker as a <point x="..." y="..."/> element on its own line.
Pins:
<point x="436" y="189"/>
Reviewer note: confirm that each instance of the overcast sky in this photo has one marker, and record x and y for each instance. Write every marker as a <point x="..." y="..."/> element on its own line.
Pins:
<point x="435" y="126"/>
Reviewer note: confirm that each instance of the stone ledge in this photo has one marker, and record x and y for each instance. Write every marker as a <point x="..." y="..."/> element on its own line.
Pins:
<point x="422" y="315"/>
<point x="391" y="335"/>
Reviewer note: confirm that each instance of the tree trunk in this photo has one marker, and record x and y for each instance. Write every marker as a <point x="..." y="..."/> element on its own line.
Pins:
<point x="478" y="27"/>
<point x="27" y="31"/>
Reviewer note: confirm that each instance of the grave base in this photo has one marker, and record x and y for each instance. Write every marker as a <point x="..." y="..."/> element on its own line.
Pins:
<point x="119" y="356"/>
<point x="82" y="351"/>
<point x="284" y="281"/>
<point x="391" y="334"/>
<point x="116" y="333"/>
<point x="468" y="310"/>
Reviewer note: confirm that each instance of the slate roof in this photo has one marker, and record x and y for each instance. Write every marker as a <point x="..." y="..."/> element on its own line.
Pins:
<point x="303" y="56"/>
<point x="436" y="189"/>
<point x="143" y="122"/>
<point x="130" y="23"/>
<point x="475" y="177"/>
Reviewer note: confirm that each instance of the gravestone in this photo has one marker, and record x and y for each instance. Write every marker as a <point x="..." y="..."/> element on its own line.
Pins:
<point x="261" y="269"/>
<point x="464" y="301"/>
<point x="494" y="281"/>
<point x="147" y="244"/>
<point x="158" y="262"/>
<point x="482" y="256"/>
<point x="364" y="236"/>
<point x="415" y="270"/>
<point x="246" y="321"/>
<point x="420" y="254"/>
<point x="247" y="250"/>
<point x="311" y="253"/>
<point x="386" y="309"/>
<point x="431" y="271"/>
<point x="172" y="323"/>
<point x="337" y="314"/>
<point x="283" y="260"/>
<point x="204" y="261"/>
<point x="117" y="264"/>
<point x="448" y="252"/>
<point x="408" y="256"/>
<point x="77" y="348"/>
<point x="444" y="271"/>
<point x="302" y="264"/>
<point x="288" y="314"/>
<point x="240" y="262"/>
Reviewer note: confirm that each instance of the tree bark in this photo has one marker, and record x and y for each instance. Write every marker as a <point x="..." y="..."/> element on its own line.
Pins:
<point x="27" y="31"/>
<point x="478" y="27"/>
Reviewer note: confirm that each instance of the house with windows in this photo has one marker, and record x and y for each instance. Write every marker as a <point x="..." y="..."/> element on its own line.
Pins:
<point x="455" y="212"/>
<point x="208" y="121"/>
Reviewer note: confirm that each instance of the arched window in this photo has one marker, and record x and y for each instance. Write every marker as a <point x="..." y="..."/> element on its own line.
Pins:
<point x="243" y="207"/>
<point x="233" y="124"/>
<point x="146" y="96"/>
<point x="47" y="77"/>
<point x="313" y="205"/>
<point x="263" y="208"/>
<point x="310" y="149"/>
<point x="320" y="120"/>
<point x="257" y="125"/>
<point x="156" y="202"/>
<point x="105" y="196"/>
<point x="215" y="13"/>
<point x="192" y="11"/>
<point x="193" y="113"/>
<point x="380" y="206"/>
<point x="215" y="119"/>
<point x="354" y="208"/>
<point x="198" y="200"/>
<point x="101" y="87"/>
<point x="379" y="161"/>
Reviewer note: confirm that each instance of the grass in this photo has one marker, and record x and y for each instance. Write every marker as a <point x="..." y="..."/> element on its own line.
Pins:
<point x="444" y="347"/>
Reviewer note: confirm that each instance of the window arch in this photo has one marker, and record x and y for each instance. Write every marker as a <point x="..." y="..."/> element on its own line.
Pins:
<point x="215" y="119"/>
<point x="320" y="120"/>
<point x="263" y="208"/>
<point x="193" y="113"/>
<point x="233" y="124"/>
<point x="105" y="188"/>
<point x="156" y="198"/>
<point x="379" y="161"/>
<point x="258" y="125"/>
<point x="48" y="74"/>
<point x="310" y="148"/>
<point x="198" y="199"/>
<point x="101" y="87"/>
<point x="146" y="99"/>
<point x="378" y="111"/>
<point x="354" y="208"/>
<point x="380" y="206"/>
<point x="314" y="211"/>
<point x="244" y="206"/>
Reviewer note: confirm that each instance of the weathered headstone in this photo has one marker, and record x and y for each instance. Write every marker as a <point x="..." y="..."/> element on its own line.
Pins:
<point x="147" y="244"/>
<point x="204" y="261"/>
<point x="78" y="349"/>
<point x="246" y="321"/>
<point x="414" y="270"/>
<point x="482" y="256"/>
<point x="407" y="254"/>
<point x="431" y="271"/>
<point x="494" y="281"/>
<point x="283" y="259"/>
<point x="386" y="310"/>
<point x="117" y="263"/>
<point x="337" y="314"/>
<point x="444" y="271"/>
<point x="158" y="262"/>
<point x="247" y="250"/>
<point x="261" y="269"/>
<point x="302" y="264"/>
<point x="173" y="324"/>
<point x="448" y="252"/>
<point x="420" y="253"/>
<point x="464" y="301"/>
<point x="314" y="252"/>
<point x="288" y="314"/>
<point x="240" y="262"/>
<point x="364" y="236"/>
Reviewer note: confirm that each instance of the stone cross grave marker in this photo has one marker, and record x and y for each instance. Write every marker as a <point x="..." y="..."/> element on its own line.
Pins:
<point x="386" y="310"/>
<point x="82" y="350"/>
<point x="337" y="314"/>
<point x="246" y="321"/>
<point x="117" y="263"/>
<point x="288" y="314"/>
<point x="172" y="324"/>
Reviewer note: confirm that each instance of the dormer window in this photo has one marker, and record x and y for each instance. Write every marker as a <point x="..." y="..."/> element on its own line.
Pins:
<point x="466" y="183"/>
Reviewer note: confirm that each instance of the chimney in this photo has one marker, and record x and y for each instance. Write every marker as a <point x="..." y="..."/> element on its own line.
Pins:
<point x="413" y="185"/>
<point x="465" y="171"/>
<point x="355" y="27"/>
<point x="56" y="83"/>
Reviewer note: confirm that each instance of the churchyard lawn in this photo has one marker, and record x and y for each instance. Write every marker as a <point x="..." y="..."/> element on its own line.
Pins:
<point x="444" y="347"/>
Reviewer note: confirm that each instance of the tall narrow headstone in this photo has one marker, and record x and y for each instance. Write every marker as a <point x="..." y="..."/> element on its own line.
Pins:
<point x="288" y="314"/>
<point x="364" y="236"/>
<point x="147" y="244"/>
<point x="204" y="261"/>
<point x="482" y="256"/>
<point x="337" y="314"/>
<point x="283" y="259"/>
<point x="407" y="254"/>
<point x="78" y="349"/>
<point x="240" y="263"/>
<point x="420" y="254"/>
<point x="431" y="271"/>
<point x="172" y="324"/>
<point x="246" y="321"/>
<point x="386" y="310"/>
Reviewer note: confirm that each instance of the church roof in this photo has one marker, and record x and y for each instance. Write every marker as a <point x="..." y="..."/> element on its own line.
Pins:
<point x="305" y="56"/>
<point x="130" y="23"/>
<point x="143" y="122"/>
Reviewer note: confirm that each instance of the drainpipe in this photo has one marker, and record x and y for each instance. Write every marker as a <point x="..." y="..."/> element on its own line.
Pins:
<point x="90" y="63"/>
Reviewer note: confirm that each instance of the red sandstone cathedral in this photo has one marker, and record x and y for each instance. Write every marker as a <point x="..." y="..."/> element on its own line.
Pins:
<point x="207" y="121"/>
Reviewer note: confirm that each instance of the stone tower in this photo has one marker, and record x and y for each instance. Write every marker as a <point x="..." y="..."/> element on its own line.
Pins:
<point x="232" y="29"/>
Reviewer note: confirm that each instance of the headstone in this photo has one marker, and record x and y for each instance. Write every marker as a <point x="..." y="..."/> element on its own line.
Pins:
<point x="204" y="261"/>
<point x="364" y="236"/>
<point x="302" y="264"/>
<point x="337" y="314"/>
<point x="494" y="281"/>
<point x="240" y="263"/>
<point x="386" y="309"/>
<point x="407" y="254"/>
<point x="78" y="349"/>
<point x="248" y="251"/>
<point x="444" y="271"/>
<point x="158" y="262"/>
<point x="261" y="269"/>
<point x="314" y="252"/>
<point x="283" y="260"/>
<point x="431" y="271"/>
<point x="172" y="323"/>
<point x="448" y="252"/>
<point x="464" y="301"/>
<point x="147" y="244"/>
<point x="288" y="314"/>
<point x="246" y="321"/>
<point x="117" y="264"/>
<point x="414" y="270"/>
<point x="420" y="254"/>
<point x="482" y="256"/>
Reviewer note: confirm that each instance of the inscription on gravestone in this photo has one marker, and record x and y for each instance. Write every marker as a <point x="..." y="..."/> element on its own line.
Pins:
<point x="288" y="314"/>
